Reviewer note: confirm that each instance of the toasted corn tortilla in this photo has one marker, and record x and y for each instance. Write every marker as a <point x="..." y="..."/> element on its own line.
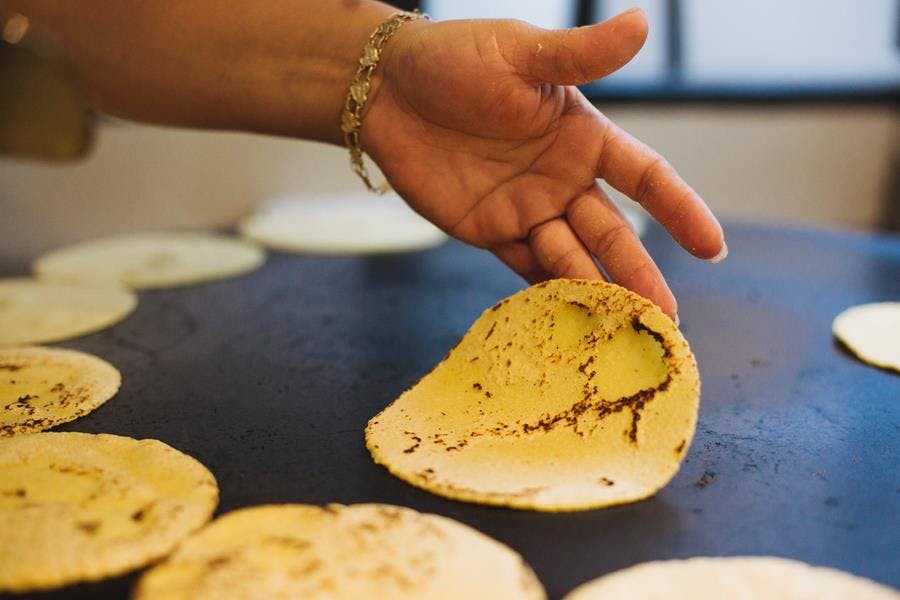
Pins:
<point x="872" y="333"/>
<point x="569" y="395"/>
<point x="78" y="507"/>
<point x="33" y="311"/>
<point x="341" y="225"/>
<point x="151" y="260"/>
<point x="335" y="552"/>
<point x="43" y="387"/>
<point x="736" y="578"/>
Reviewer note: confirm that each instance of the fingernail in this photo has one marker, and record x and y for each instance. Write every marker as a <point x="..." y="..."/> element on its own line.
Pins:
<point x="722" y="255"/>
<point x="677" y="321"/>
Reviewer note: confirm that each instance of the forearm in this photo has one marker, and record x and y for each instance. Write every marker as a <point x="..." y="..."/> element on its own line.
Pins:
<point x="269" y="66"/>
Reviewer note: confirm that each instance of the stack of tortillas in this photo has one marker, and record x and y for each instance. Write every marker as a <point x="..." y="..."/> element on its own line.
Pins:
<point x="734" y="578"/>
<point x="341" y="225"/>
<point x="77" y="507"/>
<point x="568" y="395"/>
<point x="337" y="552"/>
<point x="43" y="387"/>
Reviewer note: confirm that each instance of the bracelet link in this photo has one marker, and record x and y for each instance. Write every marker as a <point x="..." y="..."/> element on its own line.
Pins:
<point x="351" y="117"/>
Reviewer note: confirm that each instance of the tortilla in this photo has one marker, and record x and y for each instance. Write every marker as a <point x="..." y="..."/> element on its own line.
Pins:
<point x="151" y="260"/>
<point x="872" y="333"/>
<point x="33" y="311"/>
<point x="80" y="507"/>
<point x="743" y="577"/>
<point x="341" y="225"/>
<point x="569" y="395"/>
<point x="43" y="387"/>
<point x="336" y="551"/>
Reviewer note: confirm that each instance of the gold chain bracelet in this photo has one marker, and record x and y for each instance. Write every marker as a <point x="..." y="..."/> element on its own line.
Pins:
<point x="351" y="118"/>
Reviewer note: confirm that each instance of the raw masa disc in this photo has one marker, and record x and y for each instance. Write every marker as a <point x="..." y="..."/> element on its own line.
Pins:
<point x="79" y="507"/>
<point x="569" y="395"/>
<point x="341" y="225"/>
<point x="43" y="387"/>
<point x="336" y="552"/>
<point x="33" y="311"/>
<point x="872" y="333"/>
<point x="737" y="578"/>
<point x="151" y="260"/>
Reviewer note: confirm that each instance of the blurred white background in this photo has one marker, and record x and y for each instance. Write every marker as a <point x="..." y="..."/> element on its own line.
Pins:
<point x="821" y="163"/>
<point x="735" y="41"/>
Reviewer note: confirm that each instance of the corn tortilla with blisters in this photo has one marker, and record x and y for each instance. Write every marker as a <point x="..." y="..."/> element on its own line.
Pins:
<point x="43" y="387"/>
<point x="34" y="311"/>
<point x="151" y="260"/>
<point x="82" y="507"/>
<point x="341" y="225"/>
<point x="336" y="552"/>
<point x="569" y="395"/>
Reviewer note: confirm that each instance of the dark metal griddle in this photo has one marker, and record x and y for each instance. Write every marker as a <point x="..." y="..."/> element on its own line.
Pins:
<point x="269" y="379"/>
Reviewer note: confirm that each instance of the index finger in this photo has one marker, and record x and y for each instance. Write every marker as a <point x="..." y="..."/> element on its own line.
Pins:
<point x="643" y="175"/>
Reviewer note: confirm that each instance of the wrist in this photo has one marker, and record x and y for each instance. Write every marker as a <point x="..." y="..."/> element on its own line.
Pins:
<point x="303" y="83"/>
<point x="387" y="76"/>
<point x="364" y="90"/>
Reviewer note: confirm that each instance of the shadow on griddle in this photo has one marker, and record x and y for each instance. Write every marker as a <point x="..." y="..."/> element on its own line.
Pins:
<point x="846" y="352"/>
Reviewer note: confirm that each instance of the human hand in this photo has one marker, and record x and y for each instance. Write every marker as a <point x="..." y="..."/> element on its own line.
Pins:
<point x="478" y="125"/>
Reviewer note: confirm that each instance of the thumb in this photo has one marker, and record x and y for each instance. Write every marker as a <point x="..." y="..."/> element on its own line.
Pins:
<point x="582" y="54"/>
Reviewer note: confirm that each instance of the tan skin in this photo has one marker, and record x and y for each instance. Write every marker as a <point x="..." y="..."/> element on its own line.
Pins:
<point x="475" y="123"/>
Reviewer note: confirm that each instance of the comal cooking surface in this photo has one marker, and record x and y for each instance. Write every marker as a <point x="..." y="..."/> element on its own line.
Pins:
<point x="269" y="380"/>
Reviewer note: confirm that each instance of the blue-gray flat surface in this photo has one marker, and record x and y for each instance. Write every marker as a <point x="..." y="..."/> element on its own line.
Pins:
<point x="269" y="380"/>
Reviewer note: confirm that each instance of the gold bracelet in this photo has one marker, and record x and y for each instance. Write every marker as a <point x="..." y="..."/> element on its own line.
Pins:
<point x="351" y="118"/>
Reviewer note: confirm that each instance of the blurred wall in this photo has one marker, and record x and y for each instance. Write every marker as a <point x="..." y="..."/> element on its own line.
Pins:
<point x="824" y="166"/>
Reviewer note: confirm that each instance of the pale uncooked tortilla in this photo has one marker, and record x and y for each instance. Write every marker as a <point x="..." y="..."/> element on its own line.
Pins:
<point x="339" y="552"/>
<point x="732" y="578"/>
<point x="151" y="260"/>
<point x="43" y="387"/>
<point x="871" y="332"/>
<point x="341" y="225"/>
<point x="569" y="395"/>
<point x="81" y="507"/>
<point x="33" y="311"/>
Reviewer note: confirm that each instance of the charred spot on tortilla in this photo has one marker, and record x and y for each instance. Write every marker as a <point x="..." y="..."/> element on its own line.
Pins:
<point x="52" y="386"/>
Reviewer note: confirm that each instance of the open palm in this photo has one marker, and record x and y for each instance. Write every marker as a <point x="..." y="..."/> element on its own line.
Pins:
<point x="478" y="125"/>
